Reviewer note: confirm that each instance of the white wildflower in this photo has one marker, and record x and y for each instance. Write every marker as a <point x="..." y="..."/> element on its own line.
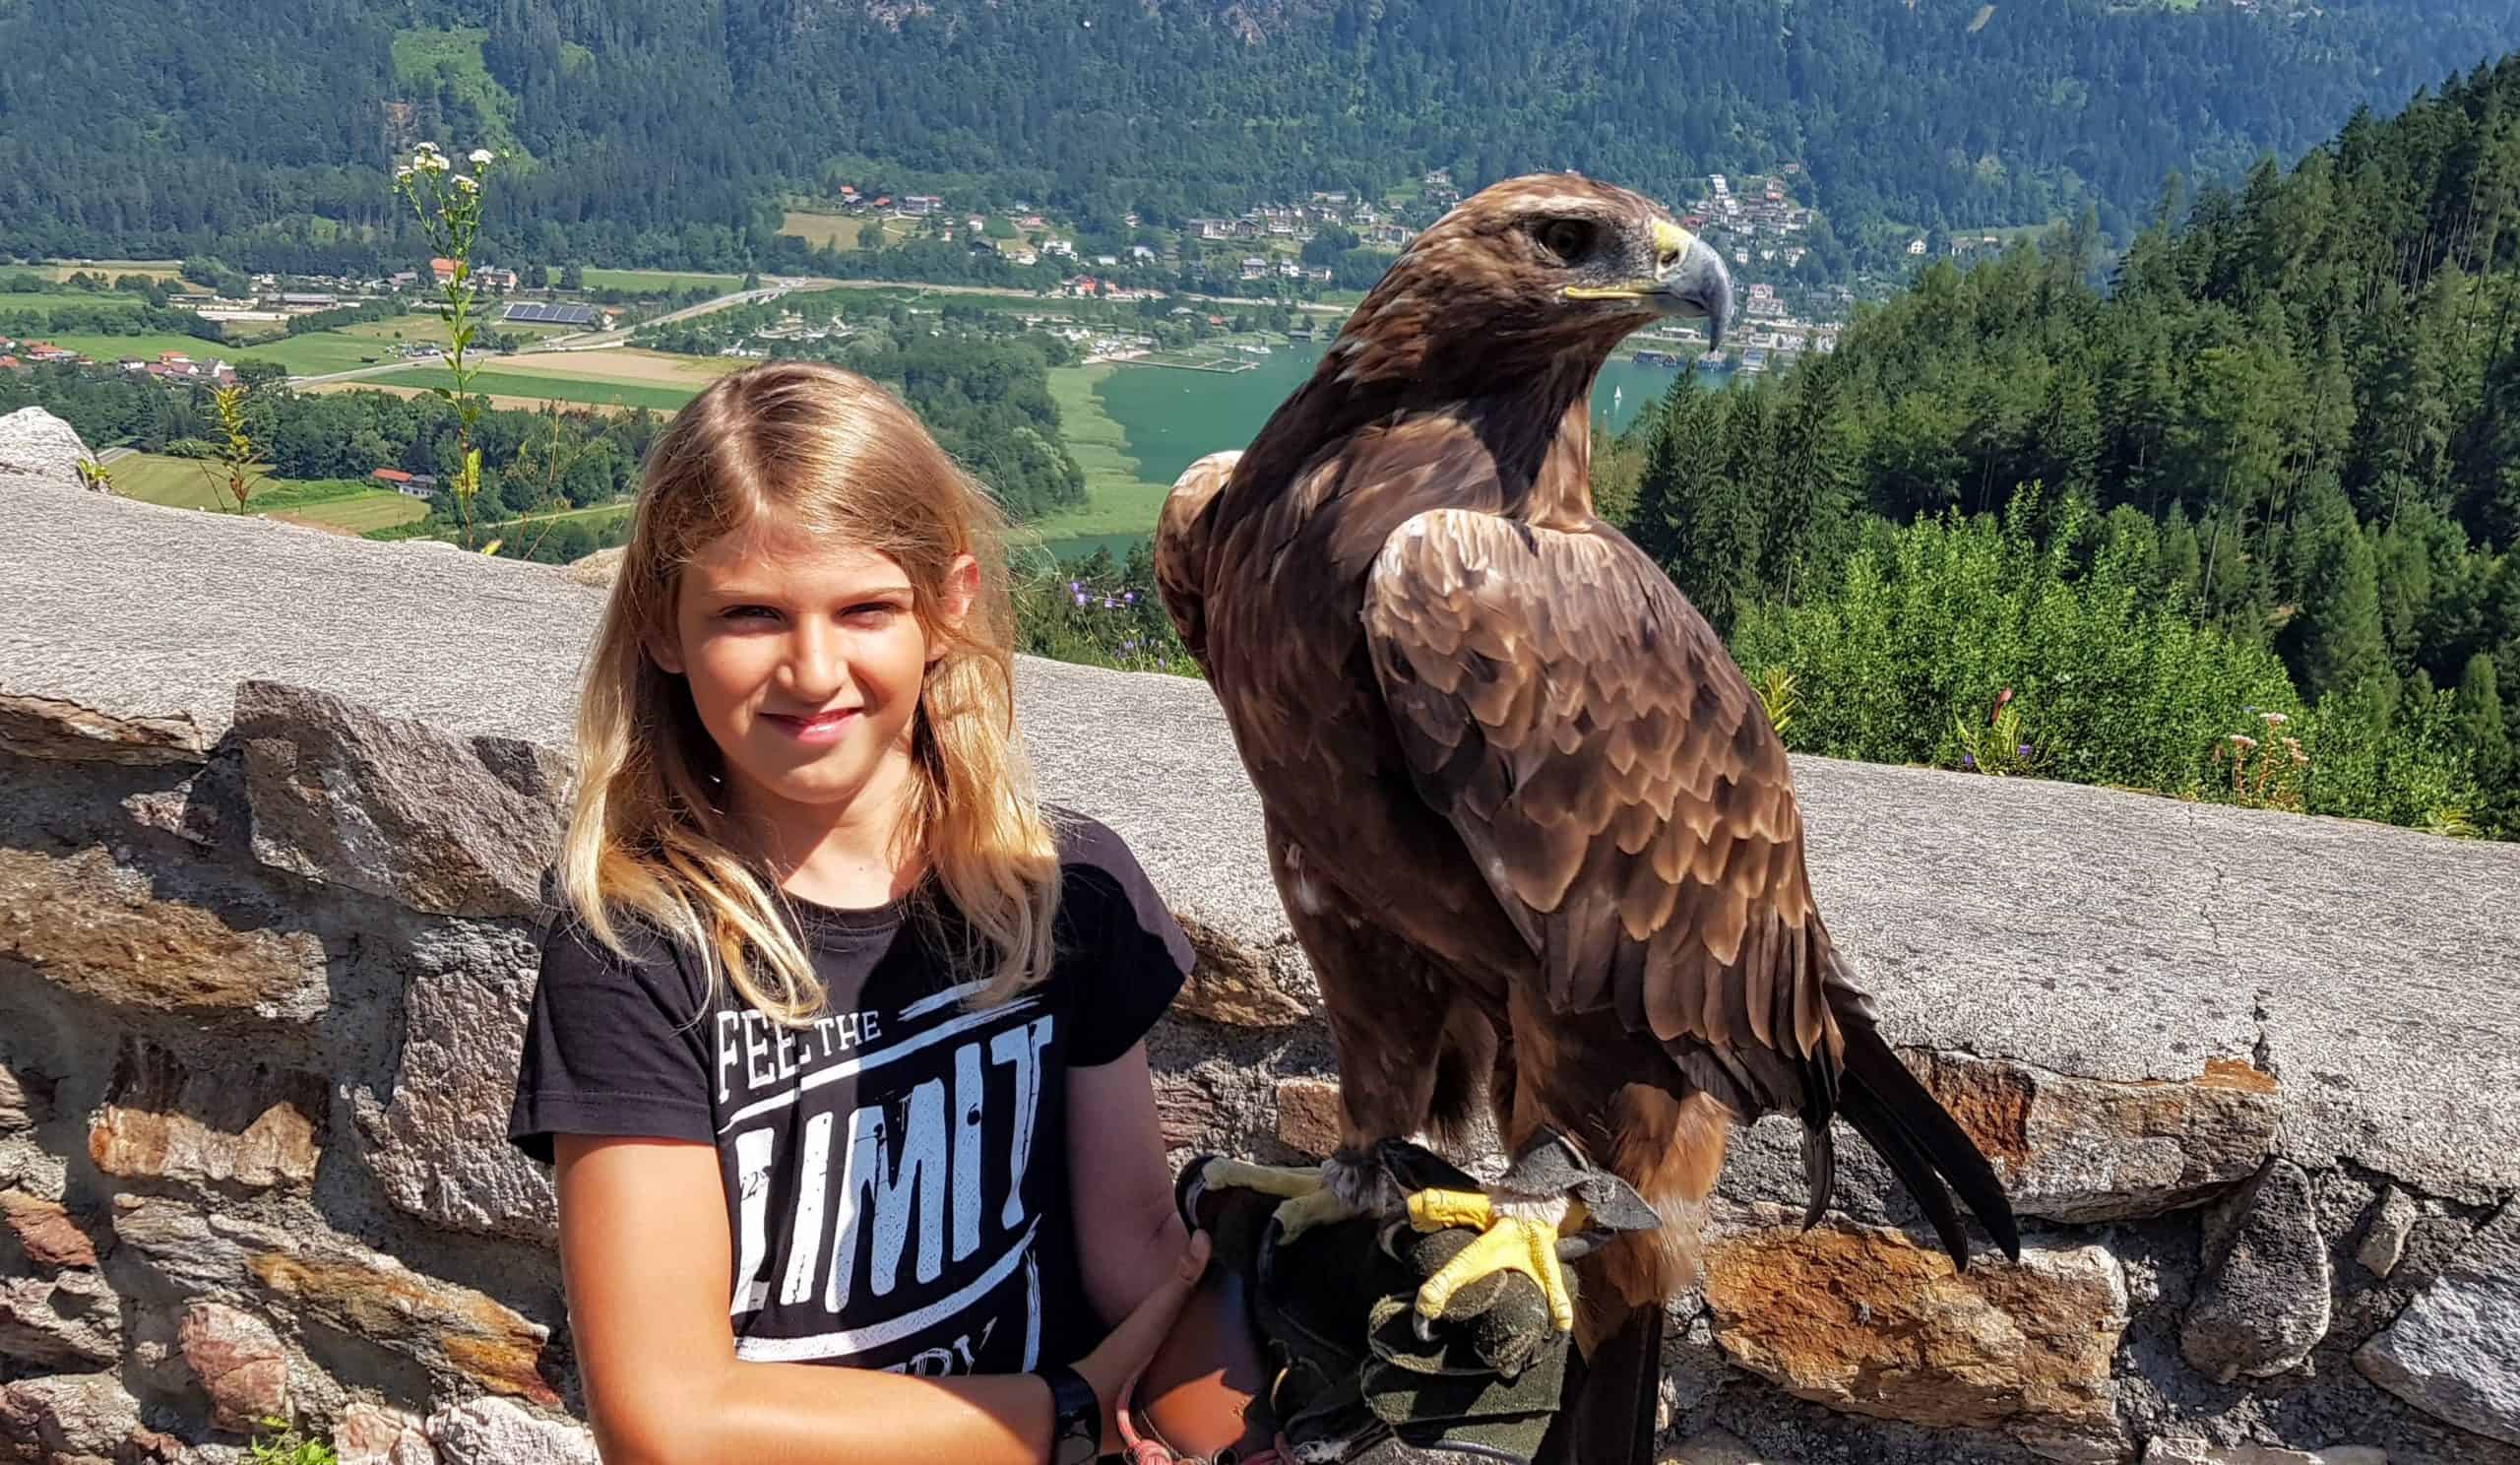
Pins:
<point x="481" y="157"/>
<point x="401" y="173"/>
<point x="466" y="184"/>
<point x="2274" y="719"/>
<point x="2243" y="741"/>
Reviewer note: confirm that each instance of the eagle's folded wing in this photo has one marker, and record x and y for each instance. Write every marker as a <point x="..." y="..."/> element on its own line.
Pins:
<point x="1590" y="739"/>
<point x="1610" y="769"/>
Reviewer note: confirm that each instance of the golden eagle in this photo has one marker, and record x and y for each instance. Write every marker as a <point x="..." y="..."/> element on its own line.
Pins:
<point x="1528" y="822"/>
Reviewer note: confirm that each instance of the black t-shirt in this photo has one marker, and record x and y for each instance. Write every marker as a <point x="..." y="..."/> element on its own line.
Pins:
<point x="895" y="1176"/>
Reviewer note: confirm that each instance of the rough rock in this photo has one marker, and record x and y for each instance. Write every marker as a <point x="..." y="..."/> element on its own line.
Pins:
<point x="2384" y="1239"/>
<point x="147" y="1446"/>
<point x="278" y="1148"/>
<point x="1715" y="1447"/>
<point x="92" y="927"/>
<point x="1308" y="1116"/>
<point x="2264" y="1298"/>
<point x="18" y="1108"/>
<point x="2454" y="1353"/>
<point x="240" y="1362"/>
<point x="440" y="1146"/>
<point x="448" y="825"/>
<point x="2081" y="1149"/>
<point x="70" y="1320"/>
<point x="1236" y="984"/>
<point x="601" y="568"/>
<point x="43" y="1233"/>
<point x="65" y="1419"/>
<point x="176" y="812"/>
<point x="56" y="728"/>
<point x="162" y="1122"/>
<point x="454" y="1331"/>
<point x="495" y="1432"/>
<point x="372" y="1435"/>
<point x="1863" y="1319"/>
<point x="2197" y="1453"/>
<point x="45" y="450"/>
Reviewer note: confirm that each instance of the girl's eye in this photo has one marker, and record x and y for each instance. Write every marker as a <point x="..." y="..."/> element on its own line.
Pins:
<point x="741" y="612"/>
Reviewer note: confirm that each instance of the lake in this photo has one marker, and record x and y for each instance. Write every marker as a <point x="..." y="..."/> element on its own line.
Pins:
<point x="1173" y="416"/>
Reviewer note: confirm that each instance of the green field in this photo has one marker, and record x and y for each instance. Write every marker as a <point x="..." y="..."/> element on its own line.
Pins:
<point x="548" y="388"/>
<point x="1117" y="500"/>
<point x="112" y="349"/>
<point x="17" y="302"/>
<point x="656" y="279"/>
<point x="192" y="484"/>
<point x="112" y="269"/>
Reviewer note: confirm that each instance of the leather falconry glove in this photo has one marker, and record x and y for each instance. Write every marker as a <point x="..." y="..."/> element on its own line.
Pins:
<point x="1312" y="1350"/>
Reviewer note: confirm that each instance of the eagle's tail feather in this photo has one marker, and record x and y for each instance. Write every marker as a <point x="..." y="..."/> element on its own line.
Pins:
<point x="1607" y="1418"/>
<point x="1923" y="1143"/>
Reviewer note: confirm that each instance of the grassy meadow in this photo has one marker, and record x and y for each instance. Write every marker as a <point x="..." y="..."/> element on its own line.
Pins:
<point x="527" y="385"/>
<point x="344" y="504"/>
<point x="675" y="281"/>
<point x="1117" y="500"/>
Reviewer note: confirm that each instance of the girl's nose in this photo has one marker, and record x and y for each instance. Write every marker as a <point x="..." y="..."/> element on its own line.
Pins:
<point x="817" y="662"/>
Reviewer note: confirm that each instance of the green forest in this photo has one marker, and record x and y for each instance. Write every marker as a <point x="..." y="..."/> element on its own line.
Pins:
<point x="262" y="133"/>
<point x="2272" y="471"/>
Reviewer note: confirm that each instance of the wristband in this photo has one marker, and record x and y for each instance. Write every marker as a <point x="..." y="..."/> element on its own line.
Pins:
<point x="1076" y="1416"/>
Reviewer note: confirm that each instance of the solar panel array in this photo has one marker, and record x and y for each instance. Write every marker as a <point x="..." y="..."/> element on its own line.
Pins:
<point x="538" y="313"/>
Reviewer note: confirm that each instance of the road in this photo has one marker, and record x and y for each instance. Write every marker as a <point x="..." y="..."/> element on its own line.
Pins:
<point x="770" y="290"/>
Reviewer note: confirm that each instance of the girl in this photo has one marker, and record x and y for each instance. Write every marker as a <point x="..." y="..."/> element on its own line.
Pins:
<point x="836" y="1046"/>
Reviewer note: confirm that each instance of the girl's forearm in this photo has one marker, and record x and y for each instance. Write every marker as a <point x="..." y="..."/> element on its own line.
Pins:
<point x="809" y="1414"/>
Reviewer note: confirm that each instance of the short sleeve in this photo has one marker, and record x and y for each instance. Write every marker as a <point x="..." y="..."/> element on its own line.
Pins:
<point x="610" y="1046"/>
<point x="1136" y="957"/>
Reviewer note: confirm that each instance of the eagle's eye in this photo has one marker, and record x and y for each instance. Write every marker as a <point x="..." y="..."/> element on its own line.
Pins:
<point x="1570" y="239"/>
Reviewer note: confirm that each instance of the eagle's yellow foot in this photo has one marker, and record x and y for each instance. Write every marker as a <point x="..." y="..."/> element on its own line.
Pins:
<point x="1309" y="1203"/>
<point x="1522" y="1239"/>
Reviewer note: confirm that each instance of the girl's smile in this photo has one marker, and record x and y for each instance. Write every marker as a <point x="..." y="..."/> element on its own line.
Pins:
<point x="804" y="657"/>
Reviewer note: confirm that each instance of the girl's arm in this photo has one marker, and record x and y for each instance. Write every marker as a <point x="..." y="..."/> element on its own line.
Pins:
<point x="1128" y="1231"/>
<point x="645" y="1257"/>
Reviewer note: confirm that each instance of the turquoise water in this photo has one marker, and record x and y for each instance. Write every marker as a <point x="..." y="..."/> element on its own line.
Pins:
<point x="1173" y="418"/>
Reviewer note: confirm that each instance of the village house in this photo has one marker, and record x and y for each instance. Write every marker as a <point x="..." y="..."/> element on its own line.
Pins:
<point x="418" y="486"/>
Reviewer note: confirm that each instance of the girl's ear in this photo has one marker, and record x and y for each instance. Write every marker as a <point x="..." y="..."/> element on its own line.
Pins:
<point x="962" y="587"/>
<point x="666" y="654"/>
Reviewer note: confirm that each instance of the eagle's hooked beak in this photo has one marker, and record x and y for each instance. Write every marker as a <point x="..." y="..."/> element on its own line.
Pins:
<point x="1689" y="279"/>
<point x="1694" y="278"/>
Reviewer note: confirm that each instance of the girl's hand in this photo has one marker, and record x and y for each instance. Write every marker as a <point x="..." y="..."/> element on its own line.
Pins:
<point x="1111" y="1366"/>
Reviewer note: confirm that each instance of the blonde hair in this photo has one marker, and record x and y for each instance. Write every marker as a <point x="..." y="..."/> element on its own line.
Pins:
<point x="827" y="452"/>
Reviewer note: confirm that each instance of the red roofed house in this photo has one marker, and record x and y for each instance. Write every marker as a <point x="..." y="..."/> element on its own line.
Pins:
<point x="443" y="269"/>
<point x="393" y="475"/>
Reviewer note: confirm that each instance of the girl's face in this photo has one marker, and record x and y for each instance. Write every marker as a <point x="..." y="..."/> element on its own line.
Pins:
<point x="805" y="659"/>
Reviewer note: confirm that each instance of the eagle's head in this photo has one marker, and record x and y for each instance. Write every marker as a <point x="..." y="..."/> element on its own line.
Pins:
<point x="1547" y="260"/>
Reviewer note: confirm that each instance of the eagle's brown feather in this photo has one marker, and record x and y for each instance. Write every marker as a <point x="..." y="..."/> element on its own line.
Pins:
<point x="1618" y="784"/>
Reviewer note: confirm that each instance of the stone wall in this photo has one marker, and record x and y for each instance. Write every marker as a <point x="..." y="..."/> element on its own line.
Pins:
<point x="273" y="803"/>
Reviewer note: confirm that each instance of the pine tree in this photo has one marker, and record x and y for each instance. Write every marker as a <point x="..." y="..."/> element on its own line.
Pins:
<point x="2338" y="638"/>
